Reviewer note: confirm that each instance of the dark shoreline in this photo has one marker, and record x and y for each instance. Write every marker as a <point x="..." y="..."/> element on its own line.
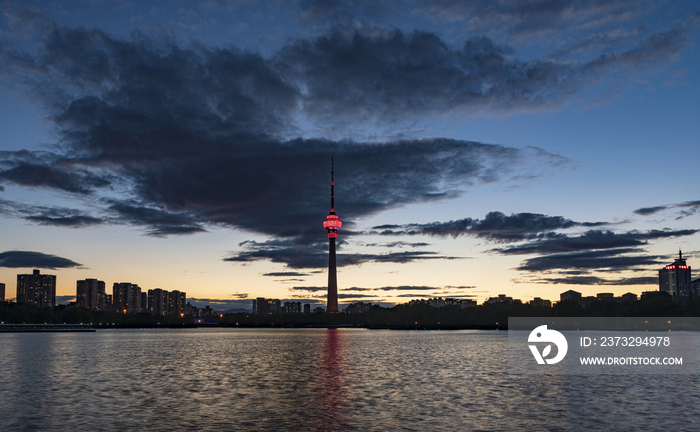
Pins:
<point x="401" y="317"/>
<point x="44" y="328"/>
<point x="327" y="326"/>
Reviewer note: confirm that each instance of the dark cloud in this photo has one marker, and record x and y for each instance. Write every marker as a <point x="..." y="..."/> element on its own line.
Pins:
<point x="593" y="239"/>
<point x="72" y="221"/>
<point x="301" y="255"/>
<point x="520" y="19"/>
<point x="45" y="215"/>
<point x="37" y="260"/>
<point x="238" y="182"/>
<point x="160" y="222"/>
<point x="288" y="252"/>
<point x="385" y="288"/>
<point x="210" y="91"/>
<point x="192" y="132"/>
<point x="285" y="274"/>
<point x="595" y="280"/>
<point x="646" y="211"/>
<point x="340" y="295"/>
<point x="344" y="10"/>
<point x="434" y="295"/>
<point x="662" y="47"/>
<point x="394" y="288"/>
<point x="613" y="259"/>
<point x="688" y="208"/>
<point x="308" y="288"/>
<point x="398" y="244"/>
<point x="187" y="136"/>
<point x="165" y="231"/>
<point x="363" y="74"/>
<point x="356" y="296"/>
<point x="517" y="19"/>
<point x="401" y="257"/>
<point x="42" y="169"/>
<point x="601" y="41"/>
<point x="495" y="226"/>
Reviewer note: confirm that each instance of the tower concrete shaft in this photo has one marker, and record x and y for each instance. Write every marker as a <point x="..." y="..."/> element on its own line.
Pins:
<point x="332" y="303"/>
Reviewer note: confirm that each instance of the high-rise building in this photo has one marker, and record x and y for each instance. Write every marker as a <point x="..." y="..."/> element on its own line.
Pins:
<point x="158" y="301"/>
<point x="331" y="224"/>
<point x="291" y="307"/>
<point x="126" y="297"/>
<point x="695" y="287"/>
<point x="90" y="294"/>
<point x="36" y="289"/>
<point x="177" y="303"/>
<point x="191" y="310"/>
<point x="162" y="302"/>
<point x="675" y="279"/>
<point x="263" y="306"/>
<point x="2" y="292"/>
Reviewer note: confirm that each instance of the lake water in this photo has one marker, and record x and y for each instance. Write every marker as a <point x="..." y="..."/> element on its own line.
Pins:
<point x="315" y="380"/>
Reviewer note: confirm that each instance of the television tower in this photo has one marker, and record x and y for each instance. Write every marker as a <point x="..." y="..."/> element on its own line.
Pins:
<point x="332" y="223"/>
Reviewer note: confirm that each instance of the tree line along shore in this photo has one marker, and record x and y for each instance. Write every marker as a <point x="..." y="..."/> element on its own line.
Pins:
<point x="404" y="316"/>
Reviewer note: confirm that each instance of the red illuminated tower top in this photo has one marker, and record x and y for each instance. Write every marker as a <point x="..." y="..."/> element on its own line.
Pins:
<point x="679" y="263"/>
<point x="675" y="279"/>
<point x="332" y="223"/>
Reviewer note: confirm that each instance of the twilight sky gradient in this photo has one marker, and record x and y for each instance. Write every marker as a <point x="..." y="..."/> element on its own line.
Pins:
<point x="515" y="147"/>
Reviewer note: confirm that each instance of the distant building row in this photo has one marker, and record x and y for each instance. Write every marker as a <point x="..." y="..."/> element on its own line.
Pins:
<point x="128" y="298"/>
<point x="674" y="279"/>
<point x="440" y="302"/>
<point x="502" y="298"/>
<point x="40" y="290"/>
<point x="575" y="296"/>
<point x="265" y="306"/>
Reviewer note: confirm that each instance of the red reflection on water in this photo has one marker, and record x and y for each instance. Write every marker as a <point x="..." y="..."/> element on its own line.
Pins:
<point x="330" y="406"/>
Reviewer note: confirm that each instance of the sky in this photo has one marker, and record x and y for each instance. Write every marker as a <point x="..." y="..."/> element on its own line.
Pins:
<point x="480" y="148"/>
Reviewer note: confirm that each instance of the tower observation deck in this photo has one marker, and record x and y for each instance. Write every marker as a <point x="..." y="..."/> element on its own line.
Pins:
<point x="331" y="224"/>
